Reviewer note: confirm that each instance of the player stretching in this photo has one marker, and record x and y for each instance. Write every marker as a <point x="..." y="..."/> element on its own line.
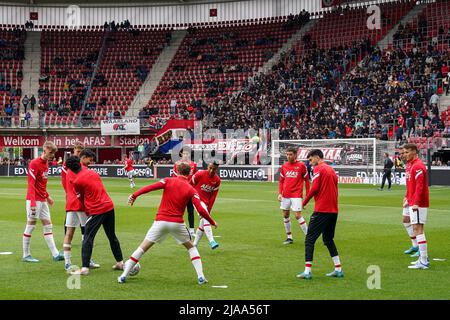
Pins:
<point x="417" y="200"/>
<point x="324" y="189"/>
<point x="169" y="219"/>
<point x="290" y="191"/>
<point x="186" y="158"/>
<point x="100" y="210"/>
<point x="414" y="250"/>
<point x="75" y="215"/>
<point x="206" y="183"/>
<point x="128" y="162"/>
<point x="77" y="148"/>
<point x="37" y="203"/>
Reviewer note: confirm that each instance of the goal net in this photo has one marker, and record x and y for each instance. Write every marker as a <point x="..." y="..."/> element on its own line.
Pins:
<point x="354" y="160"/>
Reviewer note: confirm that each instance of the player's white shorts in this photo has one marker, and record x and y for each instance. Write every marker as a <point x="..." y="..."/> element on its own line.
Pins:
<point x="131" y="174"/>
<point x="42" y="210"/>
<point x="75" y="219"/>
<point x="159" y="230"/>
<point x="418" y="216"/>
<point x="296" y="204"/>
<point x="406" y="211"/>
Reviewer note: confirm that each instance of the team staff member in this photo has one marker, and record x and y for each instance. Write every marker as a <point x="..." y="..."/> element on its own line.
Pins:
<point x="100" y="210"/>
<point x="324" y="189"/>
<point x="387" y="172"/>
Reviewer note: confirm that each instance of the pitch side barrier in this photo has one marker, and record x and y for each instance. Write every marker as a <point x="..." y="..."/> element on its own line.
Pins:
<point x="347" y="174"/>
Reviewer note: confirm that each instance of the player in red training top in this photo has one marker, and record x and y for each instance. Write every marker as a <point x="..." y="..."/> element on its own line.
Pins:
<point x="128" y="162"/>
<point x="169" y="219"/>
<point x="206" y="183"/>
<point x="417" y="199"/>
<point x="77" y="148"/>
<point x="75" y="212"/>
<point x="293" y="174"/>
<point x="186" y="158"/>
<point x="414" y="249"/>
<point x="37" y="203"/>
<point x="324" y="189"/>
<point x="100" y="211"/>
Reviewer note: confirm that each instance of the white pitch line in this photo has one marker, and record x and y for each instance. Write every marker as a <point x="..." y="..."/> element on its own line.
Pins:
<point x="220" y="287"/>
<point x="438" y="259"/>
<point x="5" y="253"/>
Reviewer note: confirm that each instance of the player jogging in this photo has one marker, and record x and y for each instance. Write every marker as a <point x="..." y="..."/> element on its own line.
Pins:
<point x="128" y="162"/>
<point x="206" y="183"/>
<point x="417" y="199"/>
<point x="186" y="158"/>
<point x="414" y="250"/>
<point x="169" y="219"/>
<point x="293" y="174"/>
<point x="37" y="203"/>
<point x="324" y="189"/>
<point x="100" y="211"/>
<point x="75" y="215"/>
<point x="77" y="148"/>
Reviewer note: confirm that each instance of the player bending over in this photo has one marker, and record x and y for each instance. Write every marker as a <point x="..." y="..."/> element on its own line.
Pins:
<point x="128" y="162"/>
<point x="169" y="219"/>
<point x="38" y="201"/>
<point x="290" y="191"/>
<point x="417" y="199"/>
<point x="75" y="212"/>
<point x="206" y="183"/>
<point x="100" y="211"/>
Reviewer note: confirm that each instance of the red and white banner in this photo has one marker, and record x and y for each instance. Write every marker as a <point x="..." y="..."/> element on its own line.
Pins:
<point x="21" y="141"/>
<point x="87" y="141"/>
<point x="329" y="154"/>
<point x="131" y="141"/>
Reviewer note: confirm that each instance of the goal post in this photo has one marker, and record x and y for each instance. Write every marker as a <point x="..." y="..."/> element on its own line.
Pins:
<point x="352" y="158"/>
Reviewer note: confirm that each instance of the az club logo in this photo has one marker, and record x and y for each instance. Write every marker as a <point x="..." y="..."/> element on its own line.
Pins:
<point x="119" y="127"/>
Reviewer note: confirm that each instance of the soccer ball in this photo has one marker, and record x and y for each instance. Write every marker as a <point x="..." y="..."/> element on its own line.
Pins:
<point x="135" y="270"/>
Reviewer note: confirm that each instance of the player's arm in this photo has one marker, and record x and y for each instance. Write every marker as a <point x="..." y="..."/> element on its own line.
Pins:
<point x="420" y="186"/>
<point x="315" y="187"/>
<point x="155" y="186"/>
<point x="202" y="209"/>
<point x="280" y="185"/>
<point x="213" y="198"/>
<point x="32" y="171"/>
<point x="64" y="177"/>
<point x="175" y="171"/>
<point x="306" y="179"/>
<point x="79" y="191"/>
<point x="194" y="179"/>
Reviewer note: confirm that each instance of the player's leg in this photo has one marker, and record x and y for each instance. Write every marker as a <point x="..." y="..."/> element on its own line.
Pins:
<point x="196" y="261"/>
<point x="409" y="229"/>
<point x="72" y="222"/>
<point x="199" y="233"/>
<point x="44" y="215"/>
<point x="109" y="225"/>
<point x="418" y="219"/>
<point x="29" y="228"/>
<point x="296" y="206"/>
<point x="130" y="178"/>
<point x="285" y="206"/>
<point x="155" y="234"/>
<point x="328" y="241"/>
<point x="82" y="217"/>
<point x="383" y="181"/>
<point x="389" y="178"/>
<point x="190" y="210"/>
<point x="93" y="224"/>
<point x="316" y="226"/>
<point x="209" y="235"/>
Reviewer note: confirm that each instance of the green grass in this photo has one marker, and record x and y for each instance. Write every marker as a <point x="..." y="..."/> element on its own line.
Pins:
<point x="251" y="259"/>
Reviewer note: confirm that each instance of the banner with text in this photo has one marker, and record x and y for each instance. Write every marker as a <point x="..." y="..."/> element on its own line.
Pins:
<point x="118" y="127"/>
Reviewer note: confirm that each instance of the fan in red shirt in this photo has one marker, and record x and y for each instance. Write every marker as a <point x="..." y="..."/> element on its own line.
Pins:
<point x="77" y="148"/>
<point x="324" y="189"/>
<point x="293" y="174"/>
<point x="128" y="162"/>
<point x="98" y="207"/>
<point x="206" y="183"/>
<point x="169" y="219"/>
<point x="417" y="200"/>
<point x="186" y="158"/>
<point x="37" y="203"/>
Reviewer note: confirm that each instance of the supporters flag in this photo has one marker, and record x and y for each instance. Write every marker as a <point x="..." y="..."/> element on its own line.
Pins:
<point x="331" y="3"/>
<point x="213" y="12"/>
<point x="34" y="16"/>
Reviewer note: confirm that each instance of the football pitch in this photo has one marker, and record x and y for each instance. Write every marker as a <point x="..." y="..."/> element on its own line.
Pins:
<point x="251" y="261"/>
